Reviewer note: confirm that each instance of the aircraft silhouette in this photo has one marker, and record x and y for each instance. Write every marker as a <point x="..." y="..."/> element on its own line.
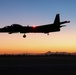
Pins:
<point x="15" y="28"/>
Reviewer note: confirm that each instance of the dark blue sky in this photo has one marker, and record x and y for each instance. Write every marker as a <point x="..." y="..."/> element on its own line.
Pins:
<point x="35" y="11"/>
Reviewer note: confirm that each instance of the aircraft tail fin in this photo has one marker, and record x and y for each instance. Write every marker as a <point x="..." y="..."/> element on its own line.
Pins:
<point x="57" y="19"/>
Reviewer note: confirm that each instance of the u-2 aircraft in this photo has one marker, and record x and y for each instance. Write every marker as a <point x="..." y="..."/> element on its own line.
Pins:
<point x="17" y="28"/>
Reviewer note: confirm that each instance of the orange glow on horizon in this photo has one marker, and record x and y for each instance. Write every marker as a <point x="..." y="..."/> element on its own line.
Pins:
<point x="37" y="43"/>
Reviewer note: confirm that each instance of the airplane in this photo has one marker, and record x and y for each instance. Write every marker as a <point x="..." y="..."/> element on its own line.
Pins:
<point x="47" y="28"/>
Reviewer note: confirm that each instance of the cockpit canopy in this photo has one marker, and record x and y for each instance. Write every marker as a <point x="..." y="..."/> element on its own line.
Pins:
<point x="16" y="25"/>
<point x="13" y="25"/>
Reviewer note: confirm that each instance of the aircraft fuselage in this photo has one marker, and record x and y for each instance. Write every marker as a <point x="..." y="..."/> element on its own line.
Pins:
<point x="17" y="28"/>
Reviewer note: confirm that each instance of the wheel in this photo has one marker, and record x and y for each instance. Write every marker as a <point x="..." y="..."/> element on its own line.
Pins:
<point x="47" y="33"/>
<point x="24" y="36"/>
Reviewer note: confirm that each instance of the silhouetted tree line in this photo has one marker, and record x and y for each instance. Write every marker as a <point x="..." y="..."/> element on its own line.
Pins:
<point x="49" y="53"/>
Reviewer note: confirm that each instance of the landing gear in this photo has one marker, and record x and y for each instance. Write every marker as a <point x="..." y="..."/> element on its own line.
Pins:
<point x="47" y="33"/>
<point x="24" y="36"/>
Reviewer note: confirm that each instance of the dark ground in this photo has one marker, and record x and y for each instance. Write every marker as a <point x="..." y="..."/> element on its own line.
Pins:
<point x="38" y="65"/>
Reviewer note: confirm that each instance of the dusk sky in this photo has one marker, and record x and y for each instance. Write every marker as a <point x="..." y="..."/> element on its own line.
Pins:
<point x="37" y="12"/>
